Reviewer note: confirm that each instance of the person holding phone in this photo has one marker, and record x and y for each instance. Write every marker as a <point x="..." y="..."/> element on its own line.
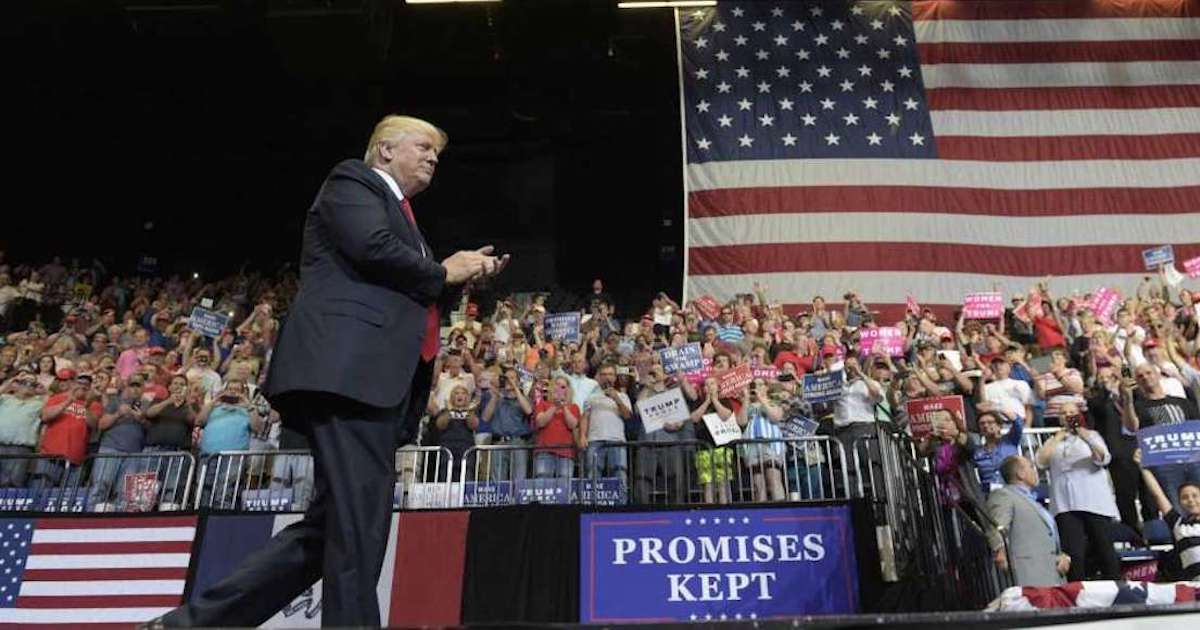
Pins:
<point x="1081" y="496"/>
<point x="227" y="419"/>
<point x="555" y="420"/>
<point x="760" y="418"/>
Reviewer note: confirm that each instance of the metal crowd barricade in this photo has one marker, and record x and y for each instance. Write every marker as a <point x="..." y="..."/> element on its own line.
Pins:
<point x="139" y="482"/>
<point x="104" y="482"/>
<point x="425" y="478"/>
<point x="511" y="474"/>
<point x="273" y="481"/>
<point x="40" y="483"/>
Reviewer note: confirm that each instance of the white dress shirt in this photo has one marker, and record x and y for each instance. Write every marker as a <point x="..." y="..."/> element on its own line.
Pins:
<point x="1077" y="482"/>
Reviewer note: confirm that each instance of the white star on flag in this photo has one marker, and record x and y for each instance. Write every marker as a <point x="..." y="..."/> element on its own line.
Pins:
<point x="789" y="140"/>
<point x="745" y="140"/>
<point x="874" y="139"/>
<point x="828" y="103"/>
<point x="704" y="144"/>
<point x="744" y="105"/>
<point x="917" y="139"/>
<point x="850" y="119"/>
<point x="831" y="139"/>
<point x="725" y="120"/>
<point x="702" y="106"/>
<point x="809" y="120"/>
<point x="766" y="120"/>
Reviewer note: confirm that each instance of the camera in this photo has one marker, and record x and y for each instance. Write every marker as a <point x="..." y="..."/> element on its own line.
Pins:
<point x="229" y="398"/>
<point x="1126" y="372"/>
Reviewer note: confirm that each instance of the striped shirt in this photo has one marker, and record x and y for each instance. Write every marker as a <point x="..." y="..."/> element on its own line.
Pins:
<point x="1186" y="531"/>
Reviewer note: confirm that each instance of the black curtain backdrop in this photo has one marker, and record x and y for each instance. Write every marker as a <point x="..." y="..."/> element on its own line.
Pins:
<point x="522" y="565"/>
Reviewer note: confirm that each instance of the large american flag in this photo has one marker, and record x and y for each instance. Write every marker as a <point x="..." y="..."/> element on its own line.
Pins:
<point x="92" y="572"/>
<point x="937" y="147"/>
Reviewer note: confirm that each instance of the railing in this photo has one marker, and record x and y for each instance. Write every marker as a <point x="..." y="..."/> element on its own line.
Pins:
<point x="124" y="482"/>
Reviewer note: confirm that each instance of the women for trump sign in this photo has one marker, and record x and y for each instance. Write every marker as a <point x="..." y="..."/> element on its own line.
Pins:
<point x="715" y="565"/>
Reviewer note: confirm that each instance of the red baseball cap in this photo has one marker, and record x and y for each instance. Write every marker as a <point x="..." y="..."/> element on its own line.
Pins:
<point x="65" y="374"/>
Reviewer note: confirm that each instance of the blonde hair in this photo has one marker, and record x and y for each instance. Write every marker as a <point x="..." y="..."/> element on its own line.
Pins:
<point x="394" y="127"/>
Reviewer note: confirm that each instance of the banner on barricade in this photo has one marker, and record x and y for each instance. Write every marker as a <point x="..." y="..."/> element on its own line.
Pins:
<point x="661" y="408"/>
<point x="823" y="387"/>
<point x="1104" y="304"/>
<point x="544" y="491"/>
<point x="208" y="322"/>
<point x="1156" y="257"/>
<point x="1191" y="267"/>
<point x="722" y="431"/>
<point x="433" y="495"/>
<point x="924" y="412"/>
<point x="888" y="339"/>
<point x="1165" y="444"/>
<point x="563" y="326"/>
<point x="986" y="305"/>
<point x="708" y="565"/>
<point x="488" y="493"/>
<point x="799" y="426"/>
<point x="16" y="499"/>
<point x="600" y="491"/>
<point x="708" y="307"/>
<point x="140" y="491"/>
<point x="682" y="359"/>
<point x="735" y="380"/>
<point x="268" y="500"/>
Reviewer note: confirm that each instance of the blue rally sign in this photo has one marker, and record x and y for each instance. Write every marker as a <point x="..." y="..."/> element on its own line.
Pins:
<point x="823" y="387"/>
<point x="1164" y="444"/>
<point x="563" y="326"/>
<point x="208" y="322"/>
<point x="713" y="565"/>
<point x="682" y="359"/>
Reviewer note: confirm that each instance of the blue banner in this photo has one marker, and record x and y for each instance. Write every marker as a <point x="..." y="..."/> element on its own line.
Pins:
<point x="1156" y="257"/>
<point x="824" y="387"/>
<point x="207" y="322"/>
<point x="267" y="500"/>
<point x="682" y="359"/>
<point x="1165" y="444"/>
<point x="713" y="565"/>
<point x="563" y="326"/>
<point x="485" y="493"/>
<point x="602" y="491"/>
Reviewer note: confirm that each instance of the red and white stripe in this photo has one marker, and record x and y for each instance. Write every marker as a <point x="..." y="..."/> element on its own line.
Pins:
<point x="1069" y="138"/>
<point x="102" y="572"/>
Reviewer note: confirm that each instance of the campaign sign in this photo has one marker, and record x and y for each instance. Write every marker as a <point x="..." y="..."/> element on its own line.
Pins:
<point x="888" y="339"/>
<point x="722" y="431"/>
<point x="1104" y="303"/>
<point x="1191" y="267"/>
<point x="207" y="322"/>
<point x="989" y="305"/>
<point x="711" y="565"/>
<point x="705" y="371"/>
<point x="555" y="491"/>
<point x="661" y="408"/>
<point x="910" y="304"/>
<point x="602" y="491"/>
<point x="766" y="372"/>
<point x="824" y="387"/>
<point x="1156" y="257"/>
<point x="682" y="359"/>
<point x="487" y="493"/>
<point x="735" y="380"/>
<point x="140" y="491"/>
<point x="708" y="306"/>
<point x="923" y="411"/>
<point x="563" y="326"/>
<point x="1170" y="443"/>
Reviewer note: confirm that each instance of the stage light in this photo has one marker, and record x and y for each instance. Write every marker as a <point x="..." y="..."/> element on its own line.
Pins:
<point x="195" y="276"/>
<point x="659" y="4"/>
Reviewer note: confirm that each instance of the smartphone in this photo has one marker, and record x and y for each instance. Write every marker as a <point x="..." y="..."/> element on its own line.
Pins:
<point x="229" y="398"/>
<point x="1126" y="372"/>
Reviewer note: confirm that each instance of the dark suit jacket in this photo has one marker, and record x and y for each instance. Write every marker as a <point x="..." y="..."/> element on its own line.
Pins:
<point x="356" y="325"/>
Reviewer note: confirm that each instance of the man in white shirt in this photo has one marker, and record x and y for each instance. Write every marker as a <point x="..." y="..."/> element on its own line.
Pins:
<point x="854" y="420"/>
<point x="446" y="380"/>
<point x="581" y="384"/>
<point x="1124" y="330"/>
<point x="603" y="427"/>
<point x="1006" y="395"/>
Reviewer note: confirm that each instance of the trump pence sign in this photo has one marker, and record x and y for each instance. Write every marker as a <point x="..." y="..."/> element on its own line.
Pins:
<point x="712" y="565"/>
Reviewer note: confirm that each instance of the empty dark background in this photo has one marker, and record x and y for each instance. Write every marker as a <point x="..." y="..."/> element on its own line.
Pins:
<point x="199" y="132"/>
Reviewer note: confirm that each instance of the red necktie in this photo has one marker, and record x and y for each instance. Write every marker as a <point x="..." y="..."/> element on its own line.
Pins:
<point x="433" y="327"/>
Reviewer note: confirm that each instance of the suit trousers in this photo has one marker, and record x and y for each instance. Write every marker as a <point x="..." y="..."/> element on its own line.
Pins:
<point x="1085" y="536"/>
<point x="342" y="537"/>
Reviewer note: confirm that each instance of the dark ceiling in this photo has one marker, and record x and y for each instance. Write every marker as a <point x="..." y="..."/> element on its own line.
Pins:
<point x="216" y="121"/>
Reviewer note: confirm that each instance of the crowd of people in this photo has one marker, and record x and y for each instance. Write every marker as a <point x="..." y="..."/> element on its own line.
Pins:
<point x="95" y="364"/>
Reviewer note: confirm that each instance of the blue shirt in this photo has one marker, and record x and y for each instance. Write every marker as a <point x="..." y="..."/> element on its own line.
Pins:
<point x="509" y="420"/>
<point x="987" y="459"/>
<point x="227" y="429"/>
<point x="731" y="333"/>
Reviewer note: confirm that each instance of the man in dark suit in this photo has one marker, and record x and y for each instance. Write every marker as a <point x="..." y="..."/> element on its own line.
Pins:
<point x="351" y="371"/>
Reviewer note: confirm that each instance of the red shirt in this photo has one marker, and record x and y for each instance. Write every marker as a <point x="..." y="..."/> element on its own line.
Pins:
<point x="1048" y="334"/>
<point x="556" y="431"/>
<point x="67" y="433"/>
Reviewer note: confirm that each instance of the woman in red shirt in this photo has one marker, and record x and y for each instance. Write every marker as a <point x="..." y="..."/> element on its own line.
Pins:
<point x="555" y="420"/>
